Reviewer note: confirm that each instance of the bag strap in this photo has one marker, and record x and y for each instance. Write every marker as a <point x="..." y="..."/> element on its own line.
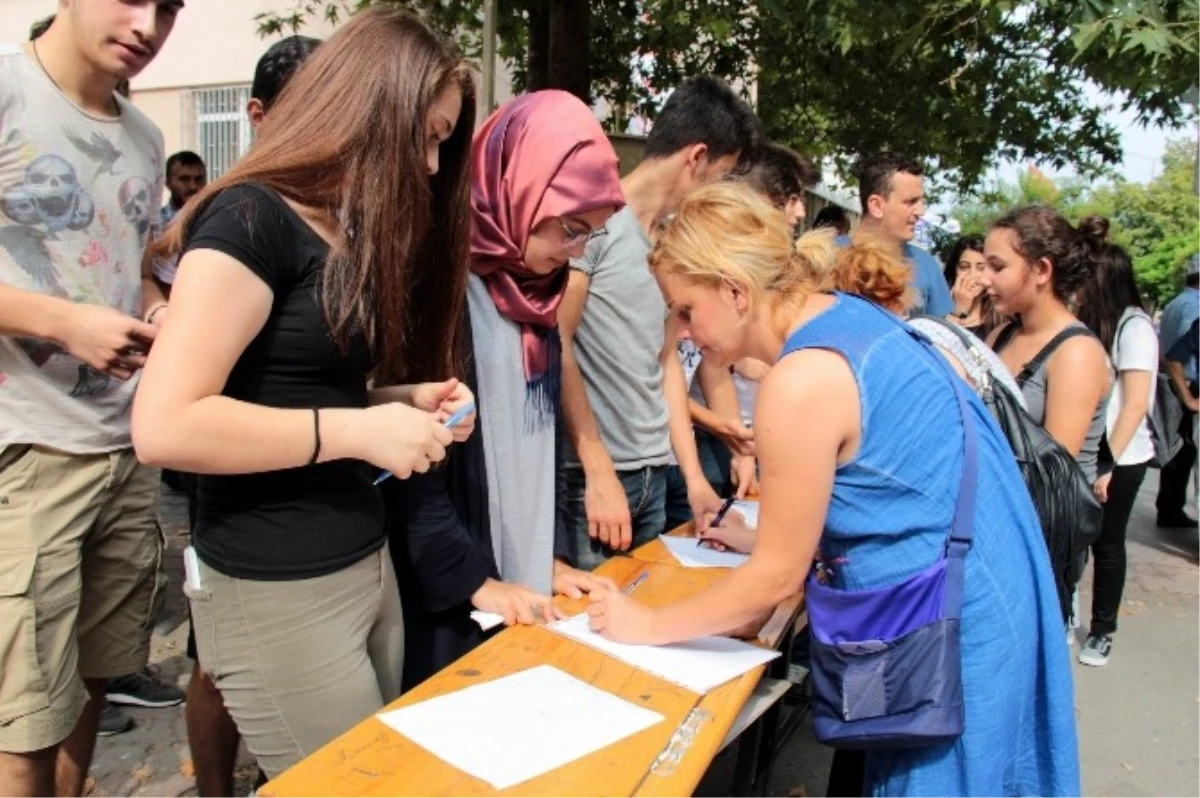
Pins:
<point x="1006" y="334"/>
<point x="961" y="530"/>
<point x="958" y="542"/>
<point x="1041" y="357"/>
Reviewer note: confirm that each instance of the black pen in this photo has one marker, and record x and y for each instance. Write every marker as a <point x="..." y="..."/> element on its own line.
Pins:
<point x="720" y="516"/>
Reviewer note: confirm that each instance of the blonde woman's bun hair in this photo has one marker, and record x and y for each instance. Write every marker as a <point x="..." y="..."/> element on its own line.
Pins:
<point x="876" y="270"/>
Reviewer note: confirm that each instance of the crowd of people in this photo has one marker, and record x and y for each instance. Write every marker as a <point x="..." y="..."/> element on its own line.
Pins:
<point x="406" y="366"/>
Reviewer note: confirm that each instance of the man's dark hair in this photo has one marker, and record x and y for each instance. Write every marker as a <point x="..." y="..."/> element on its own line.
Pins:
<point x="41" y="26"/>
<point x="781" y="173"/>
<point x="875" y="174"/>
<point x="831" y="216"/>
<point x="183" y="158"/>
<point x="277" y="65"/>
<point x="704" y="110"/>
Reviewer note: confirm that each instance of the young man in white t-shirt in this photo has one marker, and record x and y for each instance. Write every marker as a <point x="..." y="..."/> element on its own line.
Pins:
<point x="80" y="571"/>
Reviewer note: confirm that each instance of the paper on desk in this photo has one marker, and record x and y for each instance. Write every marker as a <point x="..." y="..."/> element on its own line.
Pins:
<point x="691" y="554"/>
<point x="520" y="726"/>
<point x="486" y="620"/>
<point x="749" y="511"/>
<point x="699" y="665"/>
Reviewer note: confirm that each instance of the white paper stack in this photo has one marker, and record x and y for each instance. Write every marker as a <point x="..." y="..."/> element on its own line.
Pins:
<point x="749" y="511"/>
<point x="486" y="620"/>
<point x="699" y="665"/>
<point x="691" y="554"/>
<point x="517" y="727"/>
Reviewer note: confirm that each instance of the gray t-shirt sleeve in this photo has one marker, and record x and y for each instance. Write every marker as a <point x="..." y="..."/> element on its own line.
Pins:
<point x="591" y="257"/>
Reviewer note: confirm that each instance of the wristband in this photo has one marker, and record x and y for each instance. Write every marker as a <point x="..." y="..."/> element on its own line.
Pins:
<point x="153" y="310"/>
<point x="316" y="436"/>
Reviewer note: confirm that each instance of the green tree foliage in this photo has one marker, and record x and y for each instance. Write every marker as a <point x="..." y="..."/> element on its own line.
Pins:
<point x="961" y="83"/>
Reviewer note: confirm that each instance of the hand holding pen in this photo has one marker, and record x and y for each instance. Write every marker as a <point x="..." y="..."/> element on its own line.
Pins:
<point x="620" y="617"/>
<point x="728" y="532"/>
<point x="449" y="424"/>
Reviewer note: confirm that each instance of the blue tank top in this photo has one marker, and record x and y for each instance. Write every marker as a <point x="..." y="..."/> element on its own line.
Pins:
<point x="892" y="503"/>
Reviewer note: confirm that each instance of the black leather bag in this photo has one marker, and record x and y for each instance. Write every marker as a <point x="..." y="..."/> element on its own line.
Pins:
<point x="1066" y="503"/>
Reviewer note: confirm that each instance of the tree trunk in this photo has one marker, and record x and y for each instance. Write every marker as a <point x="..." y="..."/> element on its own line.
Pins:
<point x="569" y="45"/>
<point x="539" y="45"/>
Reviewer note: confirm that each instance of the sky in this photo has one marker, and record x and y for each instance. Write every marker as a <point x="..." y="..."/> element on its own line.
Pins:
<point x="1143" y="147"/>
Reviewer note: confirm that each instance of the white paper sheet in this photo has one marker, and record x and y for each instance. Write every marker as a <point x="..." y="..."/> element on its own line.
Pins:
<point x="698" y="665"/>
<point x="691" y="554"/>
<point x="749" y="511"/>
<point x="486" y="620"/>
<point x="520" y="726"/>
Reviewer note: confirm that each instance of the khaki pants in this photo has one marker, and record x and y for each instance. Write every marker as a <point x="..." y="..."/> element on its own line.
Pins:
<point x="300" y="662"/>
<point x="81" y="582"/>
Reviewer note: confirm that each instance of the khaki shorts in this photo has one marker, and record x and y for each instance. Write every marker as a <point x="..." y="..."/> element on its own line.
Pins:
<point x="81" y="582"/>
<point x="299" y="662"/>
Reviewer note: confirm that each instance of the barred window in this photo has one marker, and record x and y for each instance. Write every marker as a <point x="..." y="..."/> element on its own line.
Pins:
<point x="216" y="127"/>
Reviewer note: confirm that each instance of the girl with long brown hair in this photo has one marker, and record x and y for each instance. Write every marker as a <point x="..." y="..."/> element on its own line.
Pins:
<point x="333" y="255"/>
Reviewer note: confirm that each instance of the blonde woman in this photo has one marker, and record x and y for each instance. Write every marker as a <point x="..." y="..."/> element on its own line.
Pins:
<point x="861" y="451"/>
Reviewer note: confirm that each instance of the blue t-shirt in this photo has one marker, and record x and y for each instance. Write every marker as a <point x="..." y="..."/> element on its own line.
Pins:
<point x="933" y="296"/>
<point x="1179" y="314"/>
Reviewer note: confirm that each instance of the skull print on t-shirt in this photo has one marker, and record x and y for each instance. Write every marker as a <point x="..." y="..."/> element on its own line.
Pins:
<point x="78" y="204"/>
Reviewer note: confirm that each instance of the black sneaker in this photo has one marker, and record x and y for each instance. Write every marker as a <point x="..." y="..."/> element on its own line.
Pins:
<point x="1096" y="650"/>
<point x="113" y="721"/>
<point x="1178" y="520"/>
<point x="140" y="690"/>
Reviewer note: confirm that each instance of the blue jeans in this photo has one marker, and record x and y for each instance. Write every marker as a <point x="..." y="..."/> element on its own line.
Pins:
<point x="646" y="492"/>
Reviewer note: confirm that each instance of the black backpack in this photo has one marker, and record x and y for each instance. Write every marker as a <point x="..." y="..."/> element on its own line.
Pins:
<point x="1066" y="503"/>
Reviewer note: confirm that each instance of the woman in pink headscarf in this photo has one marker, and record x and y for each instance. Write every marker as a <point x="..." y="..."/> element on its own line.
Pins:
<point x="484" y="532"/>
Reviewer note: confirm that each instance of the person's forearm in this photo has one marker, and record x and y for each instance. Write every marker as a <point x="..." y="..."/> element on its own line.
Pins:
<point x="716" y="383"/>
<point x="1129" y="417"/>
<point x="731" y="603"/>
<point x="679" y="420"/>
<point x="705" y="417"/>
<point x="219" y="435"/>
<point x="28" y="314"/>
<point x="582" y="430"/>
<point x="1179" y="380"/>
<point x="152" y="295"/>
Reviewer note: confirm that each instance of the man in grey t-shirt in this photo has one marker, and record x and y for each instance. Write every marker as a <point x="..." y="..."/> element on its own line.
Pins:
<point x="624" y="393"/>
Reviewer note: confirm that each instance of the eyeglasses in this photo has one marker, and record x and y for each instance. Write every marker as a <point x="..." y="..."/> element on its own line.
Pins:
<point x="574" y="237"/>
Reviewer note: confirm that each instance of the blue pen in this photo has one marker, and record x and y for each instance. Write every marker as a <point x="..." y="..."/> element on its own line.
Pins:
<point x="632" y="586"/>
<point x="451" y="422"/>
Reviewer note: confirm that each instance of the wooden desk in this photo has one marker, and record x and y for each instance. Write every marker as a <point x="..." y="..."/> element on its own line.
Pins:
<point x="715" y="713"/>
<point x="371" y="759"/>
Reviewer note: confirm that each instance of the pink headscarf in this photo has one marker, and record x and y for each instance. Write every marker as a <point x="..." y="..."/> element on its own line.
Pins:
<point x="540" y="156"/>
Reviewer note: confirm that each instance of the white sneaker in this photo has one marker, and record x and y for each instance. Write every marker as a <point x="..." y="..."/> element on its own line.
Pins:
<point x="1096" y="650"/>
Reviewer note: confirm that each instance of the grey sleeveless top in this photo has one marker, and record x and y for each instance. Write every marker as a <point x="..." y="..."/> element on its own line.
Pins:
<point x="1034" y="391"/>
